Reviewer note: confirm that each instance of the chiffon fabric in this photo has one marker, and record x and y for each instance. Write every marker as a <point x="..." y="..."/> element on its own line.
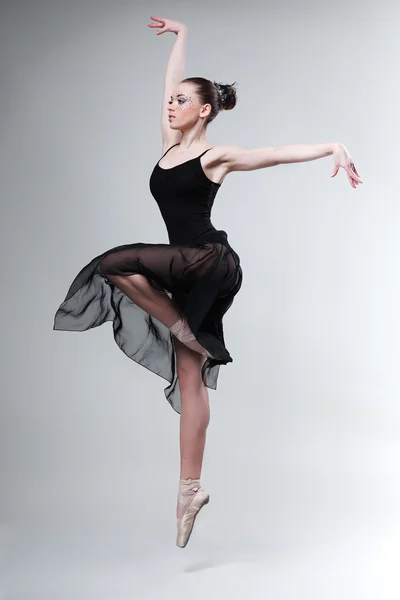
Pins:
<point x="198" y="269"/>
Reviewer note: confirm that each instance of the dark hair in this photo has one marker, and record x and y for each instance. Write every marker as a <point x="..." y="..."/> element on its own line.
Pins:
<point x="221" y="96"/>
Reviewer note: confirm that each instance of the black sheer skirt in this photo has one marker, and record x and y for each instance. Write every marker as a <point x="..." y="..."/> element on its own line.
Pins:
<point x="202" y="279"/>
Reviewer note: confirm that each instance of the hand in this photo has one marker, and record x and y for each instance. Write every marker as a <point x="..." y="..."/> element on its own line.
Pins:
<point x="343" y="159"/>
<point x="166" y="25"/>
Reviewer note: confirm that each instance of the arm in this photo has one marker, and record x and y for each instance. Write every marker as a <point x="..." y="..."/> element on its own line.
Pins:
<point x="243" y="159"/>
<point x="173" y="75"/>
<point x="249" y="159"/>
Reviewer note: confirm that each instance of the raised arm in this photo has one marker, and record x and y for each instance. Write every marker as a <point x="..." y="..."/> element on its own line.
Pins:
<point x="247" y="159"/>
<point x="173" y="75"/>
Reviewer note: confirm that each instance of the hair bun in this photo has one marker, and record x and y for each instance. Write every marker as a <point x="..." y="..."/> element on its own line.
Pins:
<point x="227" y="95"/>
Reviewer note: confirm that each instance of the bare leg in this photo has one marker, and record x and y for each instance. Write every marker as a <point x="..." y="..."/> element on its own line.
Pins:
<point x="195" y="417"/>
<point x="195" y="411"/>
<point x="155" y="302"/>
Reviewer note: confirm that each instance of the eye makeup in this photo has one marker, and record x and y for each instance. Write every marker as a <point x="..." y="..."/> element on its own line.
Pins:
<point x="182" y="100"/>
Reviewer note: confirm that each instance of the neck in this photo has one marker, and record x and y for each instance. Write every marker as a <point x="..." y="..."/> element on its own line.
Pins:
<point x="192" y="139"/>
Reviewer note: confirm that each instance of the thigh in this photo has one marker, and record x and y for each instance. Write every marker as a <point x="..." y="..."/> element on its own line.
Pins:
<point x="170" y="266"/>
<point x="126" y="281"/>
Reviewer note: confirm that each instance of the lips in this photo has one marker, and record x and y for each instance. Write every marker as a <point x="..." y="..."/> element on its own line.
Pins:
<point x="171" y="117"/>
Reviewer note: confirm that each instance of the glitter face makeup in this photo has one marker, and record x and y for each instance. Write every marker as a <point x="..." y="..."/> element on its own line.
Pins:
<point x="183" y="102"/>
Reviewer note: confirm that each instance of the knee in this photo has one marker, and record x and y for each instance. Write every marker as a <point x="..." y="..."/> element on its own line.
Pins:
<point x="190" y="380"/>
<point x="136" y="280"/>
<point x="143" y="283"/>
<point x="114" y="278"/>
<point x="189" y="366"/>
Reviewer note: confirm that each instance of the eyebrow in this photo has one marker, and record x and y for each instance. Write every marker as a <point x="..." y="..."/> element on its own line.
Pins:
<point x="180" y="94"/>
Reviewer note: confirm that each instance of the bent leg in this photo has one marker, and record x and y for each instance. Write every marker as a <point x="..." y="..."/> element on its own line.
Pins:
<point x="173" y="268"/>
<point x="158" y="305"/>
<point x="154" y="301"/>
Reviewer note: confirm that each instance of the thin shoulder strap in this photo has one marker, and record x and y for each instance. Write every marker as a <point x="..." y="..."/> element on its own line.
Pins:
<point x="168" y="150"/>
<point x="206" y="151"/>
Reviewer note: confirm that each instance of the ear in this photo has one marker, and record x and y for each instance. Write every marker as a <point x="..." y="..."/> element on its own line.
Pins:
<point x="205" y="110"/>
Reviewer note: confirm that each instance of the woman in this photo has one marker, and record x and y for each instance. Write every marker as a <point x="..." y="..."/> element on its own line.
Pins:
<point x="167" y="301"/>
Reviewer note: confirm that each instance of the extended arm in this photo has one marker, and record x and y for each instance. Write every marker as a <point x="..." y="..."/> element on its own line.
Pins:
<point x="248" y="159"/>
<point x="173" y="75"/>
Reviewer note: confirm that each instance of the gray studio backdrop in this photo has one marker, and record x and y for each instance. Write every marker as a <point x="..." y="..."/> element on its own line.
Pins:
<point x="302" y="461"/>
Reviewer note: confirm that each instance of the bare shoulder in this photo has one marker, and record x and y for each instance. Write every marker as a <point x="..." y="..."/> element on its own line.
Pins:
<point x="215" y="164"/>
<point x="235" y="158"/>
<point x="217" y="155"/>
<point x="223" y="156"/>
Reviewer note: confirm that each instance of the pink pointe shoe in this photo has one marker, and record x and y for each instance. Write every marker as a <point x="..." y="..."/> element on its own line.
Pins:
<point x="186" y="521"/>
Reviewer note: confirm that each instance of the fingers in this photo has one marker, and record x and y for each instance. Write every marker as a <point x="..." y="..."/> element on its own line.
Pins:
<point x="160" y="22"/>
<point x="157" y="19"/>
<point x="354" y="173"/>
<point x="353" y="178"/>
<point x="352" y="182"/>
<point x="161" y="25"/>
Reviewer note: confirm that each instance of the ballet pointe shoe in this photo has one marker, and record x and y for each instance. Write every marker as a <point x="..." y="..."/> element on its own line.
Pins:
<point x="186" y="521"/>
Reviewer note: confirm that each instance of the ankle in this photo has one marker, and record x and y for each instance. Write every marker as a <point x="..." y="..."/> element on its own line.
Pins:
<point x="187" y="489"/>
<point x="184" y="479"/>
<point x="184" y="334"/>
<point x="186" y="486"/>
<point x="182" y="331"/>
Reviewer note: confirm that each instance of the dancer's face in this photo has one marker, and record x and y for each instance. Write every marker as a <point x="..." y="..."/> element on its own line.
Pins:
<point x="185" y="106"/>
